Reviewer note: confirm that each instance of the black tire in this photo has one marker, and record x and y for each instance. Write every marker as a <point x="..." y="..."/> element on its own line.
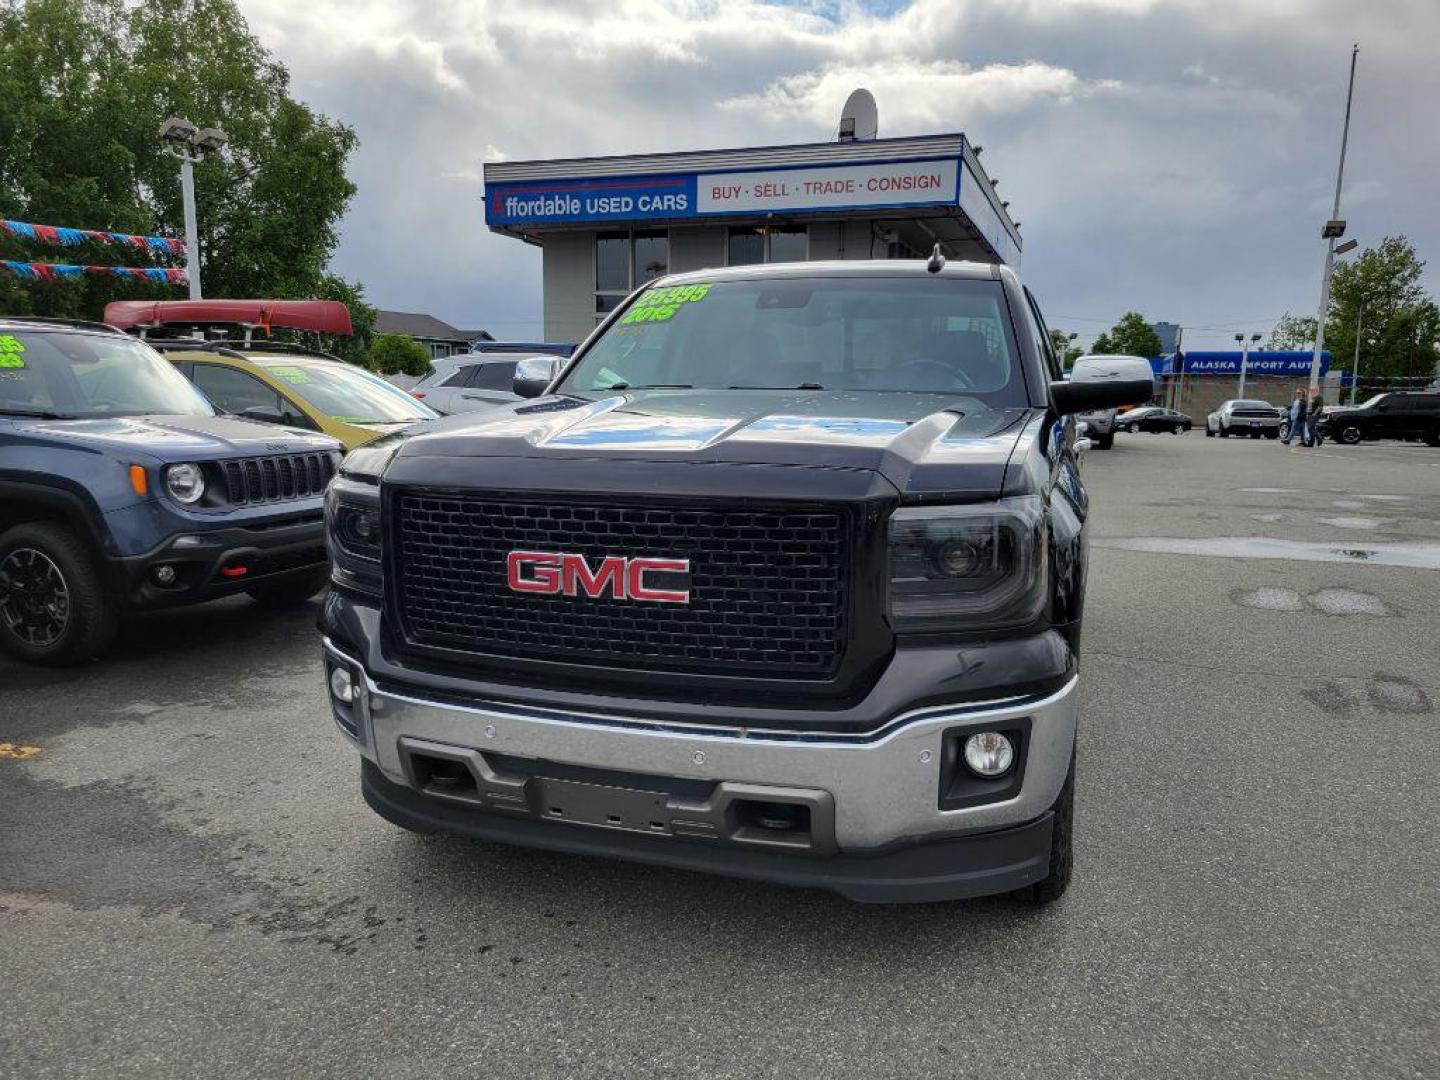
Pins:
<point x="1350" y="436"/>
<point x="1208" y="433"/>
<point x="1106" y="441"/>
<point x="1224" y="432"/>
<point x="1133" y="429"/>
<point x="90" y="614"/>
<point x="291" y="593"/>
<point x="1179" y="429"/>
<point x="1062" y="839"/>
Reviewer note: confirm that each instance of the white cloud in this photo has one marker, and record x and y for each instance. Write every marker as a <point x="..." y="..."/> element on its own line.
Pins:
<point x="1164" y="154"/>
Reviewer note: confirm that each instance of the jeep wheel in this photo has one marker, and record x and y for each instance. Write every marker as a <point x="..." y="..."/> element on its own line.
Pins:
<point x="1349" y="435"/>
<point x="54" y="607"/>
<point x="291" y="593"/>
<point x="1062" y="857"/>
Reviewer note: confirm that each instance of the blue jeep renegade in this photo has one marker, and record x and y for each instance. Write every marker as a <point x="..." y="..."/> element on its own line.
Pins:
<point x="123" y="489"/>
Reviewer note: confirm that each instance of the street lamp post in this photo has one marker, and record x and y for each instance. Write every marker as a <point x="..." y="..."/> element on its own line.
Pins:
<point x="1355" y="367"/>
<point x="1334" y="229"/>
<point x="190" y="144"/>
<point x="1245" y="357"/>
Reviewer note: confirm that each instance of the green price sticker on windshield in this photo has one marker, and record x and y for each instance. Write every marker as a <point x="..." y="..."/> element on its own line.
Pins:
<point x="291" y="374"/>
<point x="12" y="352"/>
<point x="659" y="305"/>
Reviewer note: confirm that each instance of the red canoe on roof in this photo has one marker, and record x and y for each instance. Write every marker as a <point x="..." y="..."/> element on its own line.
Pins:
<point x="326" y="316"/>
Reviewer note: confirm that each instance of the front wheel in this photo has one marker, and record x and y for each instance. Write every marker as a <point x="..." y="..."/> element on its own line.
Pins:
<point x="54" y="607"/>
<point x="1062" y="853"/>
<point x="1284" y="430"/>
<point x="1349" y="435"/>
<point x="1133" y="428"/>
<point x="1179" y="429"/>
<point x="1208" y="433"/>
<point x="291" y="593"/>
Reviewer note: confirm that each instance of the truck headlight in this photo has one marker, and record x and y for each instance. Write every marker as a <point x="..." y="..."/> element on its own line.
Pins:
<point x="354" y="527"/>
<point x="967" y="567"/>
<point x="186" y="483"/>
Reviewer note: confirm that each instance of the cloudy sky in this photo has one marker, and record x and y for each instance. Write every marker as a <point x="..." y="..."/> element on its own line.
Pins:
<point x="1171" y="156"/>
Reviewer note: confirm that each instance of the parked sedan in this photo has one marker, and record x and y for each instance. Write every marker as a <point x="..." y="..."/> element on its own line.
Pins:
<point x="469" y="382"/>
<point x="1155" y="418"/>
<point x="1244" y="416"/>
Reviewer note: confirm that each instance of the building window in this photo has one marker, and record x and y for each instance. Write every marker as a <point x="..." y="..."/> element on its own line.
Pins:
<point x="781" y="243"/>
<point x="624" y="260"/>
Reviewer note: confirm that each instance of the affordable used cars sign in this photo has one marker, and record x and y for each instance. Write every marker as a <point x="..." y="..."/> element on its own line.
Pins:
<point x="692" y="195"/>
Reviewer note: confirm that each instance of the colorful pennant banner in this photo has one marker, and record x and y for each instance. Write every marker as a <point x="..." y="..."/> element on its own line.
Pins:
<point x="54" y="234"/>
<point x="33" y="271"/>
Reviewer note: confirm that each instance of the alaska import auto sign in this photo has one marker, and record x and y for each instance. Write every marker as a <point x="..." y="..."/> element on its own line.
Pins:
<point x="699" y="195"/>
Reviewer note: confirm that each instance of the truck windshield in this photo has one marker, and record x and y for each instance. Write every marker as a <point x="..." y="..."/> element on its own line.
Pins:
<point x="65" y="374"/>
<point x="936" y="335"/>
<point x="348" y="394"/>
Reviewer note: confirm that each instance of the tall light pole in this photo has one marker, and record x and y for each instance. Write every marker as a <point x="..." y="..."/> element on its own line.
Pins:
<point x="1245" y="358"/>
<point x="190" y="144"/>
<point x="1333" y="230"/>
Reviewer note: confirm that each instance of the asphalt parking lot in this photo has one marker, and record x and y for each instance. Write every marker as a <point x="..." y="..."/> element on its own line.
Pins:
<point x="190" y="884"/>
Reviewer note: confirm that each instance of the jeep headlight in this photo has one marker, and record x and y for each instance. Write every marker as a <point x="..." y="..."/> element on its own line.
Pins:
<point x="967" y="567"/>
<point x="186" y="483"/>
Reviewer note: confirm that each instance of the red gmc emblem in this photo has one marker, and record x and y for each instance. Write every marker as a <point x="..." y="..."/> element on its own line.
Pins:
<point x="554" y="573"/>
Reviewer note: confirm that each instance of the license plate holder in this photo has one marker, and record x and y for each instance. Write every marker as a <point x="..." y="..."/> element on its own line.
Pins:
<point x="579" y="803"/>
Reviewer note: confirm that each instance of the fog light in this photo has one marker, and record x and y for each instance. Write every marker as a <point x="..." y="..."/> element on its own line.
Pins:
<point x="164" y="575"/>
<point x="341" y="685"/>
<point x="989" y="753"/>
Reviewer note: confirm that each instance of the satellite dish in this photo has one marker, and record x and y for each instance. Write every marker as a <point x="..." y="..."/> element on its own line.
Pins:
<point x="859" y="122"/>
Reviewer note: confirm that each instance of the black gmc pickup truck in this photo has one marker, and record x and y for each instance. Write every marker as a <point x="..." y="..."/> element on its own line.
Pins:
<point x="780" y="576"/>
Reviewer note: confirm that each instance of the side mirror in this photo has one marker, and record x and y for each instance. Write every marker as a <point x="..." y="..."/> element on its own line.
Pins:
<point x="534" y="374"/>
<point x="266" y="414"/>
<point x="1104" y="382"/>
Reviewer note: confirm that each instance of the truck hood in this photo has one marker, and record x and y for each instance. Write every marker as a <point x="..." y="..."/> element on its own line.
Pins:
<point x="180" y="438"/>
<point x="924" y="444"/>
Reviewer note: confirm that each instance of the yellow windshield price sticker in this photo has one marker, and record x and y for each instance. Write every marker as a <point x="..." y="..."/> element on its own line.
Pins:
<point x="659" y="305"/>
<point x="291" y="374"/>
<point x="12" y="352"/>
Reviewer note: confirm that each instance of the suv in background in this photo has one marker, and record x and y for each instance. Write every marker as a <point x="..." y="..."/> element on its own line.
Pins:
<point x="1402" y="414"/>
<point x="782" y="577"/>
<point x="122" y="490"/>
<point x="470" y="382"/>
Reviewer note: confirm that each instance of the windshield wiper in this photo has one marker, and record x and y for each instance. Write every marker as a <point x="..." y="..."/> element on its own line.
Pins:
<point x="38" y="414"/>
<point x="802" y="386"/>
<point x="648" y="386"/>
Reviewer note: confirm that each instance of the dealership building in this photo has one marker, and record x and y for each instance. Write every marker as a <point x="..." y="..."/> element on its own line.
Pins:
<point x="607" y="225"/>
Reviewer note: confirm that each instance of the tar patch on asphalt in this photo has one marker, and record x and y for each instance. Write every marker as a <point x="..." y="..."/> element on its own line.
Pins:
<point x="17" y="751"/>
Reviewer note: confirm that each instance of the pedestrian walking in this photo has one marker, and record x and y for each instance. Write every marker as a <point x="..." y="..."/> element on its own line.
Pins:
<point x="1297" y="419"/>
<point x="1313" y="414"/>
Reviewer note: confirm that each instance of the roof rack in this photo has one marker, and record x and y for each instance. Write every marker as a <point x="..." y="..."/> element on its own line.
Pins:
<point x="61" y="320"/>
<point x="237" y="348"/>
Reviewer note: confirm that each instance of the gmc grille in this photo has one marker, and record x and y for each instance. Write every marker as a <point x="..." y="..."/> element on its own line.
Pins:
<point x="769" y="589"/>
<point x="275" y="479"/>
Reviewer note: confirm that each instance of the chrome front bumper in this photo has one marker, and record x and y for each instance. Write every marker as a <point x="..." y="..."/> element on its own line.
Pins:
<point x="884" y="786"/>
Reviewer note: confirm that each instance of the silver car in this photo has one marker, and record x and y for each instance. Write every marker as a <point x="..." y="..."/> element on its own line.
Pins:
<point x="1244" y="416"/>
<point x="469" y="382"/>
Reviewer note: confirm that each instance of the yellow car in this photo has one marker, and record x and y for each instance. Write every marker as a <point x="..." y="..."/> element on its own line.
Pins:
<point x="296" y="388"/>
<point x="273" y="381"/>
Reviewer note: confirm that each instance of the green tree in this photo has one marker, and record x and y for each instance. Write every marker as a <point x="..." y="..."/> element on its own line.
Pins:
<point x="396" y="354"/>
<point x="1292" y="333"/>
<point x="1064" y="348"/>
<point x="1131" y="336"/>
<point x="1399" y="322"/>
<point x="84" y="87"/>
